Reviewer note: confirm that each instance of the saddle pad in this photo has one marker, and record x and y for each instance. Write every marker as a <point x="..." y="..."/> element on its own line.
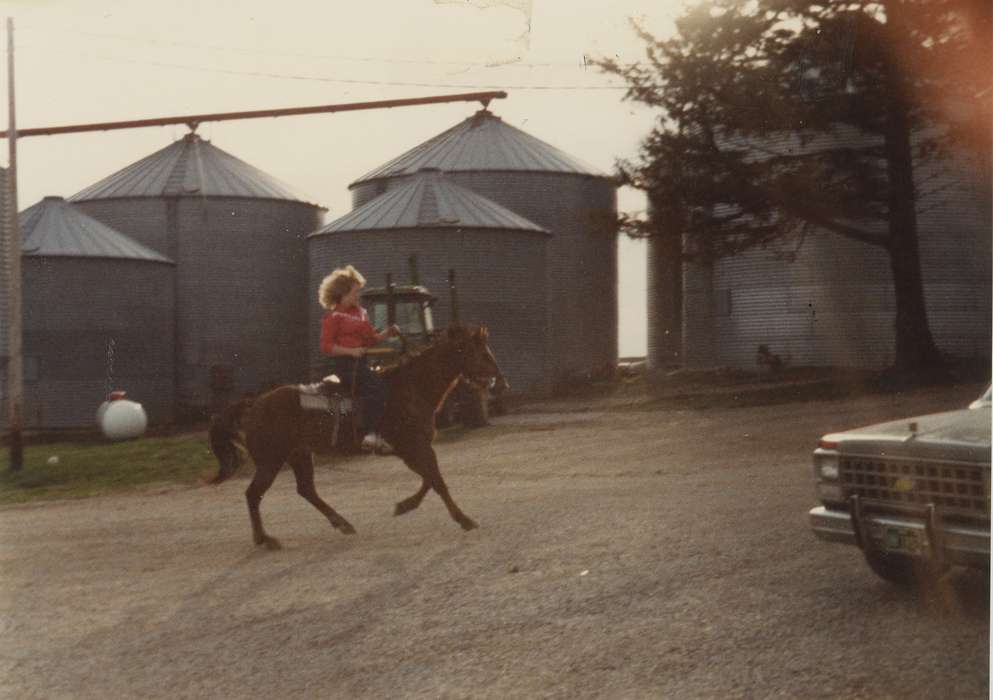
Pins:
<point x="320" y="402"/>
<point x="327" y="386"/>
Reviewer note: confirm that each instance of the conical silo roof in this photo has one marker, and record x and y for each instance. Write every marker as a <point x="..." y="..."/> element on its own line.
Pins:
<point x="53" y="227"/>
<point x="482" y="142"/>
<point x="191" y="167"/>
<point x="429" y="199"/>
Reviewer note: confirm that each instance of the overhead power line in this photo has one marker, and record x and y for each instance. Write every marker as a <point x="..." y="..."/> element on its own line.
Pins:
<point x="344" y="81"/>
<point x="584" y="59"/>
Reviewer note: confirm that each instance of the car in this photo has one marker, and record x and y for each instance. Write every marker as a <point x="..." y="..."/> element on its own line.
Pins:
<point x="912" y="494"/>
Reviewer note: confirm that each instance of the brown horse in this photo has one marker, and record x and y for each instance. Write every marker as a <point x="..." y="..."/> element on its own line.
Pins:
<point x="278" y="431"/>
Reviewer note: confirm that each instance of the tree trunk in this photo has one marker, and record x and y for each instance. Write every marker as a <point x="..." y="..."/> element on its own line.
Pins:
<point x="915" y="348"/>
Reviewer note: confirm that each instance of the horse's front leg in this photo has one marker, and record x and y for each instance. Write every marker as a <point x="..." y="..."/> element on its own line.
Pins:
<point x="424" y="461"/>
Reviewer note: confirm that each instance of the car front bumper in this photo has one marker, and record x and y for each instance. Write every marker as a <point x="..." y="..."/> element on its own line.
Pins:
<point x="959" y="544"/>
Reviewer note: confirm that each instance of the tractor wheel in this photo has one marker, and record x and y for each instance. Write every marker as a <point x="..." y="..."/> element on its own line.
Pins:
<point x="447" y="414"/>
<point x="474" y="408"/>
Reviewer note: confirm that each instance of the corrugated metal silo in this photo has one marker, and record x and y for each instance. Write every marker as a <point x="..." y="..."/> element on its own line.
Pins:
<point x="830" y="301"/>
<point x="500" y="257"/>
<point x="571" y="200"/>
<point x="238" y="237"/>
<point x="99" y="314"/>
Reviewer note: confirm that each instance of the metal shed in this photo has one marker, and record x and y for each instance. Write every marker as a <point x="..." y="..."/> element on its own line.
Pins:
<point x="238" y="237"/>
<point x="500" y="257"/>
<point x="99" y="313"/>
<point x="572" y="201"/>
<point x="830" y="301"/>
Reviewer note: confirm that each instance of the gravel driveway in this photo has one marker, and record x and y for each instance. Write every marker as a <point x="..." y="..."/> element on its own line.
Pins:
<point x="640" y="551"/>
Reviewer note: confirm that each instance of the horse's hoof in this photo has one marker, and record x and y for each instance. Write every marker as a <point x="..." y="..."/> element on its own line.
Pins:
<point x="346" y="529"/>
<point x="271" y="543"/>
<point x="468" y="524"/>
<point x="402" y="508"/>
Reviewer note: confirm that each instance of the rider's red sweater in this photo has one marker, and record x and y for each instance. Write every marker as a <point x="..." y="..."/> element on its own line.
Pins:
<point x="349" y="328"/>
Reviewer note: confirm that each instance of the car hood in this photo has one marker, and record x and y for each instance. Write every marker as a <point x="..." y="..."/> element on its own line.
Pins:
<point x="962" y="434"/>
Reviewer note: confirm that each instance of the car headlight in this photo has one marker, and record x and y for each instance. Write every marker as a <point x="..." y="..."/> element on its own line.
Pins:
<point x="827" y="464"/>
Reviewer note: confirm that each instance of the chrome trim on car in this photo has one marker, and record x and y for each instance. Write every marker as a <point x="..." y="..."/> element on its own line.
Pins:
<point x="960" y="544"/>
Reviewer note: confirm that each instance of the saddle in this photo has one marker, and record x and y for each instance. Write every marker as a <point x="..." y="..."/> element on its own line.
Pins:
<point x="328" y="395"/>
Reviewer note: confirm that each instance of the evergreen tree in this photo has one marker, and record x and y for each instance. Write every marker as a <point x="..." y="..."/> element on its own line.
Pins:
<point x="868" y="90"/>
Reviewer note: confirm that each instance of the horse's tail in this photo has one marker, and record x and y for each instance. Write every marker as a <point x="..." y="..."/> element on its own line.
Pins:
<point x="224" y="437"/>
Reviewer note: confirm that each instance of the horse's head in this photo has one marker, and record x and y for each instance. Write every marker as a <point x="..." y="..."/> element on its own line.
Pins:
<point x="477" y="364"/>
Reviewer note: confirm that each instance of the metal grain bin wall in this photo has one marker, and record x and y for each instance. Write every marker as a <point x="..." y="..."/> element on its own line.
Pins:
<point x="830" y="302"/>
<point x="238" y="237"/>
<point x="500" y="259"/>
<point x="581" y="270"/>
<point x="99" y="314"/>
<point x="572" y="201"/>
<point x="831" y="305"/>
<point x="955" y="216"/>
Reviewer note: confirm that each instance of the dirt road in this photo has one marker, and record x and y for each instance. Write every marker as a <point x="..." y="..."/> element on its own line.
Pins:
<point x="623" y="552"/>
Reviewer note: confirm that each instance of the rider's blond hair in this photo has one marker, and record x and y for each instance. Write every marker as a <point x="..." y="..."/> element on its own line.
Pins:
<point x="337" y="285"/>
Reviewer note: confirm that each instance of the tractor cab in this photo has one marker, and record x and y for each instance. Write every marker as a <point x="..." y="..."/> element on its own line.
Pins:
<point x="409" y="306"/>
<point x="411" y="312"/>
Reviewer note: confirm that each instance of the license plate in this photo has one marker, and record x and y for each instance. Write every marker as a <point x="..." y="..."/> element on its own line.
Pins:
<point x="897" y="539"/>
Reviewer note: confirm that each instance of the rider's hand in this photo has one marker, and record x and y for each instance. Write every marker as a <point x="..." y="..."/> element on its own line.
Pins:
<point x="393" y="330"/>
<point x="358" y="352"/>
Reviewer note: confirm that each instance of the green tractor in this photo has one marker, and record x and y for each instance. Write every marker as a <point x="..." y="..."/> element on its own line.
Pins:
<point x="409" y="306"/>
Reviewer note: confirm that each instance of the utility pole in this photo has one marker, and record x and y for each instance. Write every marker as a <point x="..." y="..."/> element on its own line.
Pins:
<point x="15" y="370"/>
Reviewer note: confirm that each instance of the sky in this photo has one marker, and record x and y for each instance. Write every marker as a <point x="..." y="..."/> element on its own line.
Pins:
<point x="105" y="60"/>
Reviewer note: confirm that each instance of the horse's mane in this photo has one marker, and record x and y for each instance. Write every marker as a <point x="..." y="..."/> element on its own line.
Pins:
<point x="414" y="357"/>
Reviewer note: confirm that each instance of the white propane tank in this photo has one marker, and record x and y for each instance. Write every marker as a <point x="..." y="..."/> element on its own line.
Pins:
<point x="120" y="418"/>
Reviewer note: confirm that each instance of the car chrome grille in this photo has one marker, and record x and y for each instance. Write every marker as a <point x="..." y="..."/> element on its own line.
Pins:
<point x="956" y="489"/>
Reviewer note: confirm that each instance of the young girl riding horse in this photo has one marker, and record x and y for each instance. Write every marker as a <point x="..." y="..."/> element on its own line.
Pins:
<point x="346" y="334"/>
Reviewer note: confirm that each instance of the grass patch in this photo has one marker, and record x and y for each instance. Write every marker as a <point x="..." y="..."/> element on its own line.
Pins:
<point x="89" y="468"/>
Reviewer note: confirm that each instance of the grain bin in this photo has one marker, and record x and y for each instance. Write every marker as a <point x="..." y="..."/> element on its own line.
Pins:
<point x="99" y="313"/>
<point x="238" y="237"/>
<point x="830" y="301"/>
<point x="572" y="201"/>
<point x="500" y="258"/>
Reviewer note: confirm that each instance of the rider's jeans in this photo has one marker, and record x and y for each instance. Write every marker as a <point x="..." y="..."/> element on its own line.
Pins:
<point x="371" y="389"/>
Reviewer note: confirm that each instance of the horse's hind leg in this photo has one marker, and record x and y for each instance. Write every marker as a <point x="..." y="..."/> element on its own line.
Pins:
<point x="411" y="502"/>
<point x="303" y="468"/>
<point x="265" y="474"/>
<point x="425" y="462"/>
